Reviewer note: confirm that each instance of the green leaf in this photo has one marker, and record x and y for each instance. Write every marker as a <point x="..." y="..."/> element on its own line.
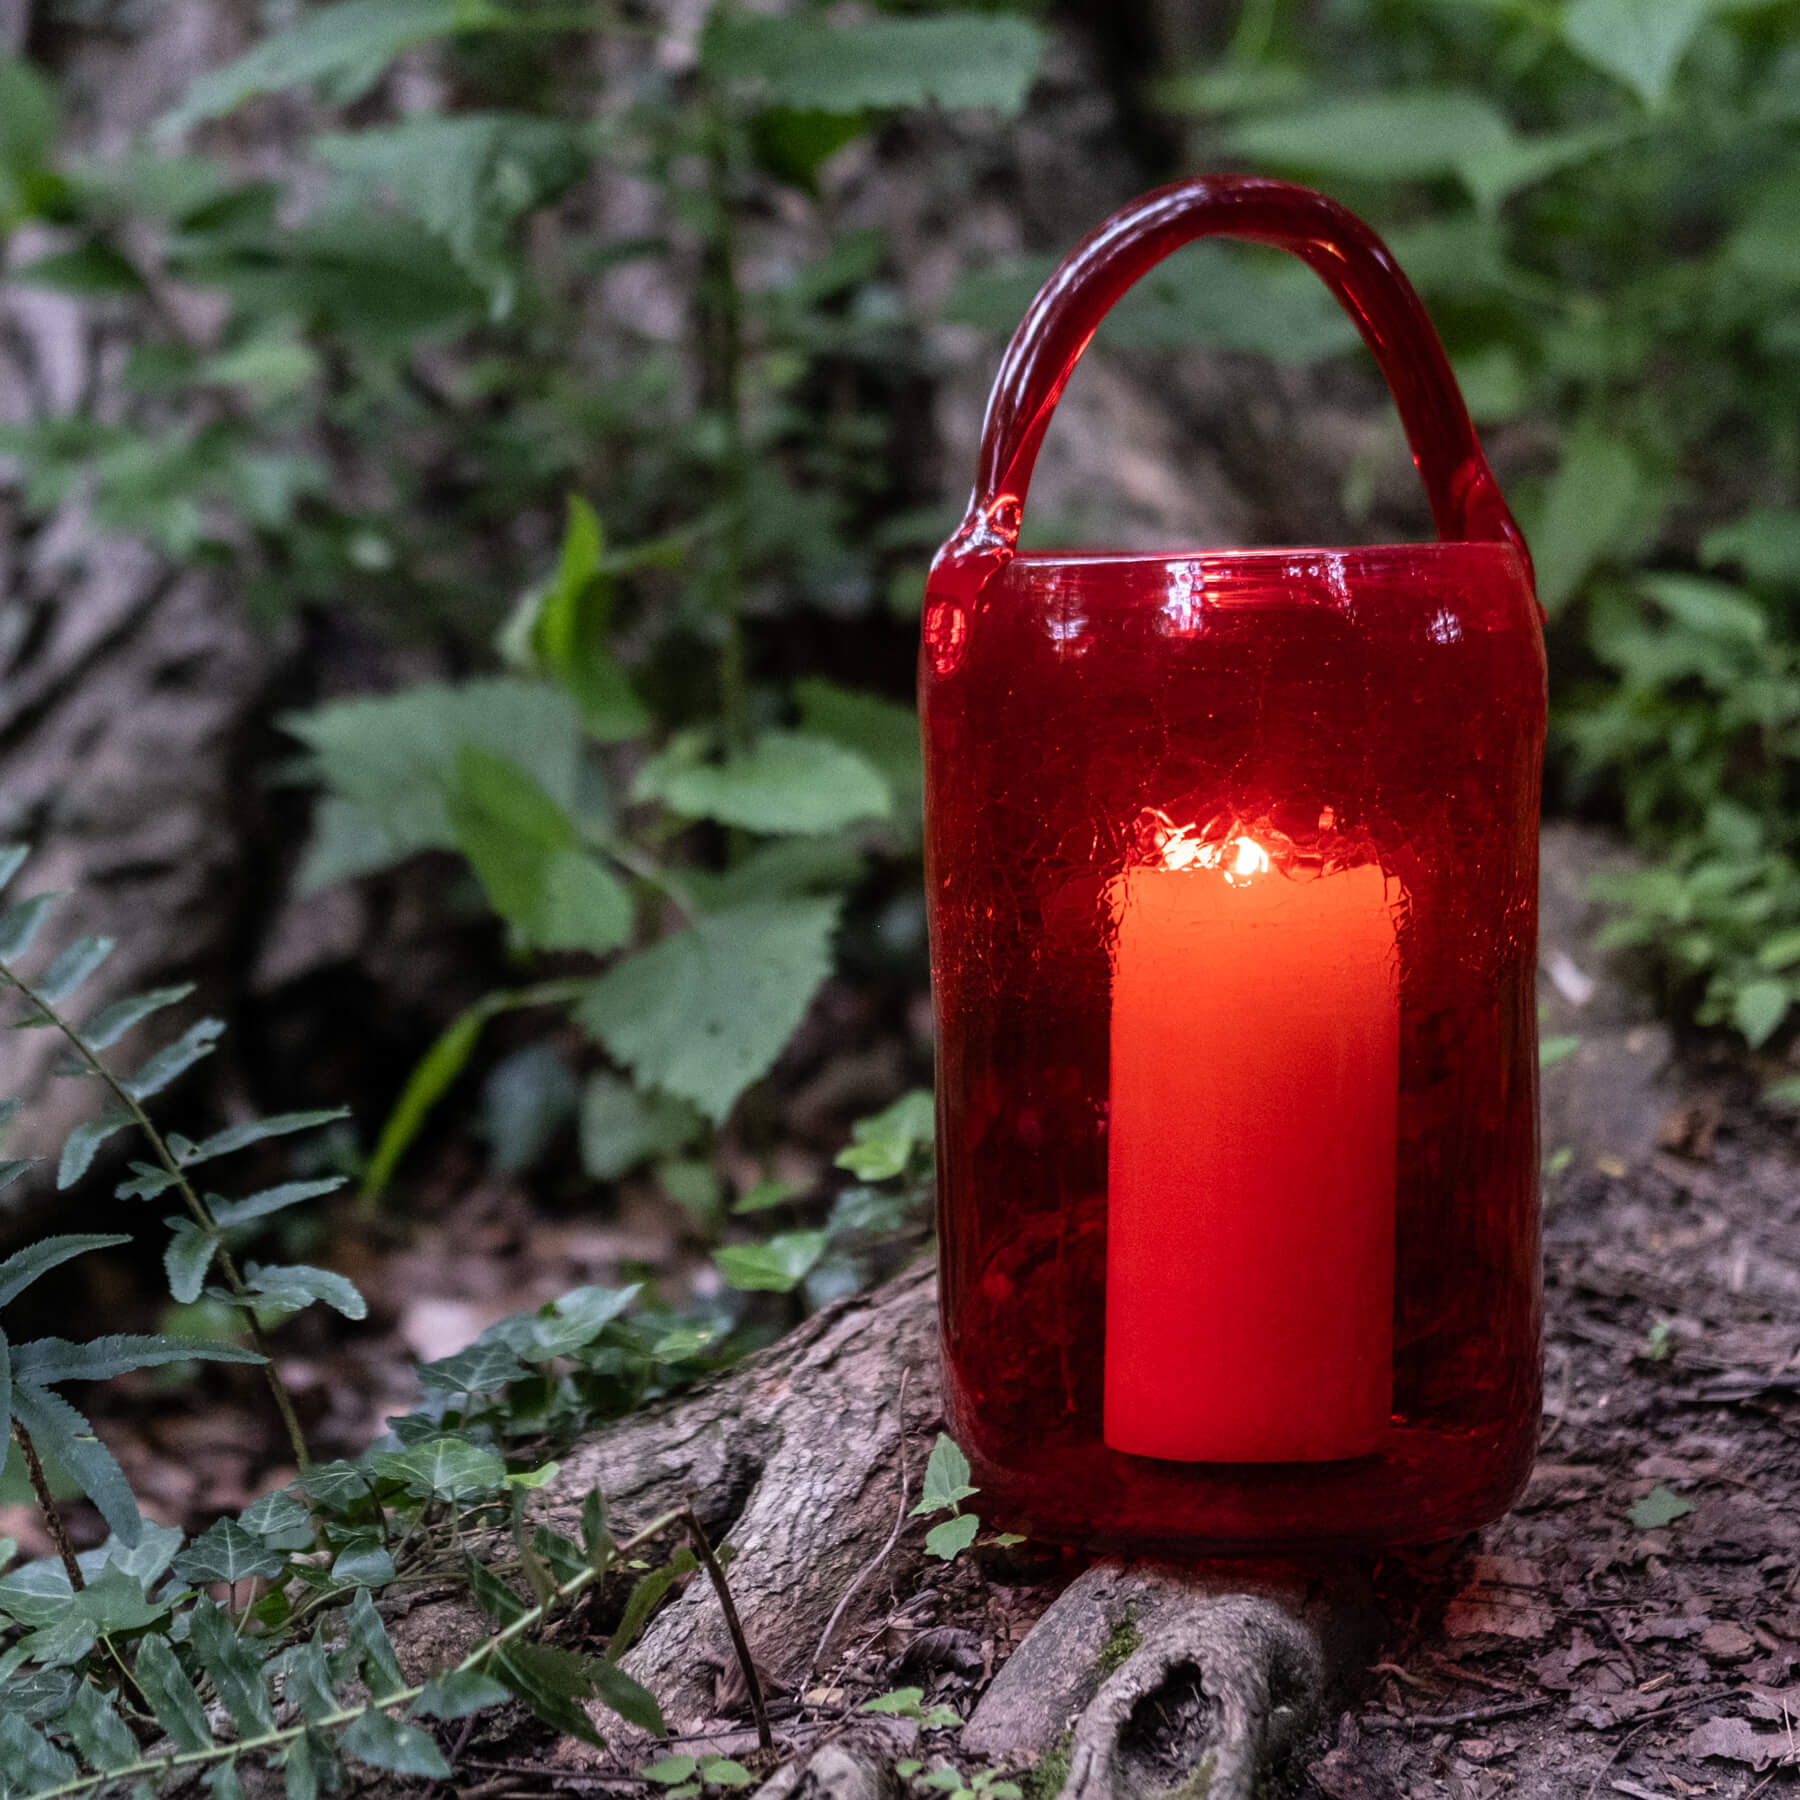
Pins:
<point x="883" y="732"/>
<point x="528" y="857"/>
<point x="1712" y="607"/>
<point x="1590" y="501"/>
<point x="233" y="1666"/>
<point x="12" y="1167"/>
<point x="187" y="1258"/>
<point x="394" y="758"/>
<point x="794" y="143"/>
<point x="66" y="1435"/>
<point x="956" y="59"/>
<point x="306" y="1679"/>
<point x="12" y="856"/>
<point x="705" y="1013"/>
<point x="946" y="1478"/>
<point x="171" y="1695"/>
<point x="900" y="1703"/>
<point x="387" y="1743"/>
<point x="225" y="1551"/>
<point x="258" y="1131"/>
<point x="72" y="968"/>
<point x="83" y="1144"/>
<point x="785" y="782"/>
<point x="230" y="1214"/>
<point x="445" y="1468"/>
<point x="882" y="1145"/>
<point x="174" y="1060"/>
<point x="492" y="1594"/>
<point x="112" y="1022"/>
<point x="425" y="1087"/>
<point x="1759" y="1010"/>
<point x="293" y="1286"/>
<point x="721" y="1771"/>
<point x="629" y="1698"/>
<point x="458" y="1693"/>
<point x="52" y="1359"/>
<point x="1552" y="1050"/>
<point x="670" y="1770"/>
<point x="23" y="1267"/>
<point x="276" y="1515"/>
<point x="573" y="1320"/>
<point x="1380" y="137"/>
<point x="646" y="1595"/>
<point x="1498" y="171"/>
<point x="778" y="1266"/>
<point x="525" y="1100"/>
<point x="339" y="1487"/>
<point x="19" y="925"/>
<point x="1639" y="41"/>
<point x="952" y="1537"/>
<point x="29" y="1761"/>
<point x="596" y="1541"/>
<point x="92" y="271"/>
<point x="1658" y="1508"/>
<point x="345" y="48"/>
<point x="374" y="1649"/>
<point x="622" y="1128"/>
<point x="482" y="1368"/>
<point x="97" y="1731"/>
<point x="1765" y="543"/>
<point x="223" y="1782"/>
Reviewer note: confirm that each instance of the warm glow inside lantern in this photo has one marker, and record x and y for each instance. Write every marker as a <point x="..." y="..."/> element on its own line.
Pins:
<point x="1232" y="860"/>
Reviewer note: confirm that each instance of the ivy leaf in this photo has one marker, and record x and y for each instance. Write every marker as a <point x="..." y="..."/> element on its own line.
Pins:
<point x="572" y="1321"/>
<point x="73" y="967"/>
<point x="293" y="1286"/>
<point x="785" y="782"/>
<point x="388" y="1743"/>
<point x="275" y="1515"/>
<point x="258" y="1131"/>
<point x="528" y="856"/>
<point x="778" y="1266"/>
<point x="225" y="1551"/>
<point x="1658" y="1508"/>
<point x="952" y="1537"/>
<point x="722" y="1771"/>
<point x="83" y="1144"/>
<point x="705" y="1013"/>
<point x="1638" y="41"/>
<point x="480" y="1369"/>
<point x="340" y="1487"/>
<point x="23" y="1267"/>
<point x="446" y="1468"/>
<point x="882" y="1145"/>
<point x="112" y="1022"/>
<point x="946" y="1478"/>
<point x="457" y="1693"/>
<point x="956" y="59"/>
<point x="174" y="1060"/>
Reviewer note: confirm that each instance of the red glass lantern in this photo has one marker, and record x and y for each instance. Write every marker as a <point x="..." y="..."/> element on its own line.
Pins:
<point x="1232" y="861"/>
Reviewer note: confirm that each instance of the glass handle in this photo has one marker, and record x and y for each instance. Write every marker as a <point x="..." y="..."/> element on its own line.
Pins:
<point x="1466" y="502"/>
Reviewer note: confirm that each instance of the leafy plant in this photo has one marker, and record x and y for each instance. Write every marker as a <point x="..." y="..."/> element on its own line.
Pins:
<point x="946" y="1487"/>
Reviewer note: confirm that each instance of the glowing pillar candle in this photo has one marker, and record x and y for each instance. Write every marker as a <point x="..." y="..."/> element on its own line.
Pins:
<point x="1251" y="1151"/>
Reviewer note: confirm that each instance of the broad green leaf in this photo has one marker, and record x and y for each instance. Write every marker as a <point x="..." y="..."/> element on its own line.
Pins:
<point x="552" y="1683"/>
<point x="257" y="1131"/>
<point x="394" y="758"/>
<point x="1639" y="41"/>
<point x="529" y="858"/>
<point x="526" y="1099"/>
<point x="946" y="1478"/>
<point x="778" y="1266"/>
<point x="387" y="1743"/>
<point x="457" y="1693"/>
<point x="92" y="271"/>
<point x="12" y="860"/>
<point x="952" y="1537"/>
<point x="339" y="1487"/>
<point x="882" y="1144"/>
<point x="1386" y="137"/>
<point x="483" y="1368"/>
<point x="1500" y="170"/>
<point x="187" y="1259"/>
<point x="45" y="1361"/>
<point x="630" y="1699"/>
<point x="275" y="1515"/>
<point x="622" y="1127"/>
<point x="1781" y="951"/>
<point x="722" y="1771"/>
<point x="786" y="782"/>
<point x="794" y="143"/>
<point x="29" y="1760"/>
<point x="293" y="1286"/>
<point x="23" y="1267"/>
<point x="1759" y="1010"/>
<point x="83" y="1144"/>
<point x="1552" y="1050"/>
<point x="883" y="732"/>
<point x="646" y="1595"/>
<point x="225" y="1551"/>
<point x="174" y="1060"/>
<point x="901" y="1703"/>
<point x="1766" y="245"/>
<point x="492" y="1594"/>
<point x="112" y="1022"/>
<point x="1712" y="607"/>
<point x="705" y="1013"/>
<point x="671" y="1770"/>
<point x="231" y="1214"/>
<point x="171" y="1696"/>
<point x="19" y="925"/>
<point x="1590" y="501"/>
<point x="1765" y="543"/>
<point x="574" y="1320"/>
<point x="98" y="1732"/>
<point x="223" y="1782"/>
<point x="1658" y="1508"/>
<point x="956" y="59"/>
<point x="345" y="47"/>
<point x="306" y="1679"/>
<point x="444" y="1469"/>
<point x="73" y="967"/>
<point x="63" y="1433"/>
<point x="781" y="869"/>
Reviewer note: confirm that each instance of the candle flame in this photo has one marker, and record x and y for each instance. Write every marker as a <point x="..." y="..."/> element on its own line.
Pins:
<point x="1239" y="858"/>
<point x="1251" y="859"/>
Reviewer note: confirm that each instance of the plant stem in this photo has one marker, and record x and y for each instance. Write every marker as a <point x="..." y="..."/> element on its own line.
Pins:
<point x="346" y="1715"/>
<point x="198" y="1210"/>
<point x="752" y="1681"/>
<point x="47" y="1506"/>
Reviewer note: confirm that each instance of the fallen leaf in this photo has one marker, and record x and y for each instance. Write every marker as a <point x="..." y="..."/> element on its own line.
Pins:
<point x="1737" y="1740"/>
<point x="1727" y="1641"/>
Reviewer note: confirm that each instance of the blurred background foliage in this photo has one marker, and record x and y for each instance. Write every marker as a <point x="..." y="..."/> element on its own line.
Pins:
<point x="678" y="570"/>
